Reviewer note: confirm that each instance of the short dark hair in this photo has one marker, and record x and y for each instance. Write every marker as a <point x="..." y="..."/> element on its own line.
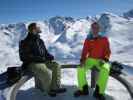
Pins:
<point x="95" y="23"/>
<point x="31" y="26"/>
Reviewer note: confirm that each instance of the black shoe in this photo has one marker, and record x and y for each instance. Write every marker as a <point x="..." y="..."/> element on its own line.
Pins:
<point x="52" y="94"/>
<point x="60" y="90"/>
<point x="78" y="93"/>
<point x="84" y="92"/>
<point x="98" y="95"/>
<point x="102" y="97"/>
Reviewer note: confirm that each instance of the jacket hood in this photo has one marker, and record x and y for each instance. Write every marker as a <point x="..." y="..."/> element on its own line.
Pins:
<point x="90" y="35"/>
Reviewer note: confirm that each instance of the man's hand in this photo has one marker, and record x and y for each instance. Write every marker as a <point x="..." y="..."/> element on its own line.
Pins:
<point x="50" y="57"/>
<point x="102" y="61"/>
<point x="82" y="63"/>
<point x="106" y="60"/>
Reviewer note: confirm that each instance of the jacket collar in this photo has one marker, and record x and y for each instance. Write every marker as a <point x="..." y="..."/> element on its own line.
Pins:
<point x="33" y="36"/>
<point x="91" y="37"/>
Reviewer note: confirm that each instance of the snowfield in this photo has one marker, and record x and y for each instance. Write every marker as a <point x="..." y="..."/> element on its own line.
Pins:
<point x="115" y="90"/>
<point x="64" y="37"/>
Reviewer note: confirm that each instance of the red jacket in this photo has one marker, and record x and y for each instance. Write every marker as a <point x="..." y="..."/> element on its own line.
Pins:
<point x="96" y="48"/>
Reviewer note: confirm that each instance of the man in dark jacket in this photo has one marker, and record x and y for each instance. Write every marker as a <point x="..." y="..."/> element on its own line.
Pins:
<point x="39" y="61"/>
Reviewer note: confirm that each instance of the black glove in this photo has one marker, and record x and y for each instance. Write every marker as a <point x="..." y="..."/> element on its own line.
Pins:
<point x="50" y="57"/>
<point x="102" y="61"/>
<point x="81" y="60"/>
<point x="106" y="60"/>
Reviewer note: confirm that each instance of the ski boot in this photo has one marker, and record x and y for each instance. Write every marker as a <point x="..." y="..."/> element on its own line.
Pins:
<point x="97" y="95"/>
<point x="84" y="92"/>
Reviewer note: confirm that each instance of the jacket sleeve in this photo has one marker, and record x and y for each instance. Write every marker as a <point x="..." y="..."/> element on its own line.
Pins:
<point x="49" y="56"/>
<point x="46" y="54"/>
<point x="85" y="51"/>
<point x="107" y="51"/>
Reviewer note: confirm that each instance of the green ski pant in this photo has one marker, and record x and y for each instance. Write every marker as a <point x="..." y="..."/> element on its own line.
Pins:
<point x="104" y="69"/>
<point x="47" y="75"/>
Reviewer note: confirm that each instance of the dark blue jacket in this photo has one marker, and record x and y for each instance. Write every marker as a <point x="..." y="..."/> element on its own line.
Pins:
<point x="32" y="49"/>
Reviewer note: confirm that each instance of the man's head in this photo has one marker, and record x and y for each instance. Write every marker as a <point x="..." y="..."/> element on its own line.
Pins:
<point x="95" y="28"/>
<point x="33" y="28"/>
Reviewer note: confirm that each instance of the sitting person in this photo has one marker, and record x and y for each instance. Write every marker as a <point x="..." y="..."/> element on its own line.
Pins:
<point x="40" y="62"/>
<point x="95" y="54"/>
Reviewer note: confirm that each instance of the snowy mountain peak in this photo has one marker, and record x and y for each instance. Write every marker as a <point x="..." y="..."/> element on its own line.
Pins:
<point x="59" y="24"/>
<point x="128" y="14"/>
<point x="104" y="21"/>
<point x="64" y="36"/>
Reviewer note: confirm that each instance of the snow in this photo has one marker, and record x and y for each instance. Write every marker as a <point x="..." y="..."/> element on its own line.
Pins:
<point x="64" y="38"/>
<point x="115" y="90"/>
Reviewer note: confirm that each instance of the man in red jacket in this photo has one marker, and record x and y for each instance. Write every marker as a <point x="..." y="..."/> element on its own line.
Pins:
<point x="96" y="53"/>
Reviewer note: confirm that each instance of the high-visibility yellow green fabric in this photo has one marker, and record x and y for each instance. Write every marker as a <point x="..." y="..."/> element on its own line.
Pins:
<point x="104" y="69"/>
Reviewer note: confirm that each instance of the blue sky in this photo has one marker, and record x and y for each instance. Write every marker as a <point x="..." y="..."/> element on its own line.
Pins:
<point x="12" y="11"/>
